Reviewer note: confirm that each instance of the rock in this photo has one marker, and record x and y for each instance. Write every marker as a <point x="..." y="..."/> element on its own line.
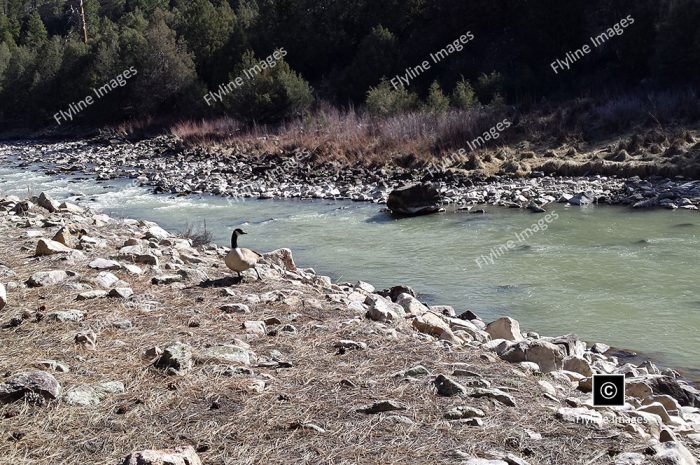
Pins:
<point x="166" y="279"/>
<point x="484" y="462"/>
<point x="580" y="415"/>
<point x="49" y="278"/>
<point x="178" y="456"/>
<point x="417" y="199"/>
<point x="580" y="199"/>
<point x="90" y="295"/>
<point x="505" y="328"/>
<point x="411" y="305"/>
<point x="282" y="258"/>
<point x="430" y="323"/>
<point x="66" y="316"/>
<point x="156" y="232"/>
<point x="255" y="327"/>
<point x="447" y="387"/>
<point x="366" y="287"/>
<point x="133" y="269"/>
<point x="105" y="279"/>
<point x="673" y="453"/>
<point x="176" y="359"/>
<point x="53" y="365"/>
<point x="413" y="372"/>
<point x="122" y="324"/>
<point x="630" y="458"/>
<point x="570" y="344"/>
<point x="121" y="292"/>
<point x="685" y="394"/>
<point x="104" y="264"/>
<point x="667" y="436"/>
<point x="32" y="385"/>
<point x="87" y="339"/>
<point x="88" y="396"/>
<point x="548" y="356"/>
<point x="350" y="345"/>
<point x="638" y="388"/>
<point x="462" y="412"/>
<point x="46" y="201"/>
<point x="63" y="236"/>
<point x="657" y="409"/>
<point x="383" y="310"/>
<point x="599" y="348"/>
<point x="47" y="247"/>
<point x="235" y="308"/>
<point x="497" y="394"/>
<point x="383" y="406"/>
<point x="70" y="207"/>
<point x="224" y="355"/>
<point x="393" y="293"/>
<point x="3" y="296"/>
<point x="578" y="365"/>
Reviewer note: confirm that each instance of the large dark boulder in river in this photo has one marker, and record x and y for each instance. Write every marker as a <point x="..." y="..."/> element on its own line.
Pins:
<point x="417" y="199"/>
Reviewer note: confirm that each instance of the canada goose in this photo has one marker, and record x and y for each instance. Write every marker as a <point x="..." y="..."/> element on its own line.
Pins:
<point x="241" y="259"/>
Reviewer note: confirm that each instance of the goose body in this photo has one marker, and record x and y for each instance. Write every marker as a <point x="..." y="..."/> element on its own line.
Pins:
<point x="240" y="259"/>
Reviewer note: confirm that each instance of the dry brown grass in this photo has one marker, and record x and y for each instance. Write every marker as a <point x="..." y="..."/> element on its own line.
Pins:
<point x="228" y="423"/>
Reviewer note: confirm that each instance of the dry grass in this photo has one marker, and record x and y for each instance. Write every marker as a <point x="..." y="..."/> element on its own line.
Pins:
<point x="219" y="414"/>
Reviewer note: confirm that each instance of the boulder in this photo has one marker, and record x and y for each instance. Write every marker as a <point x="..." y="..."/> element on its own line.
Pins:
<point x="685" y="394"/>
<point x="411" y="305"/>
<point x="88" y="396"/>
<point x="47" y="247"/>
<point x="282" y="258"/>
<point x="49" y="278"/>
<point x="673" y="453"/>
<point x="448" y="387"/>
<point x="66" y="316"/>
<point x="176" y="359"/>
<point x="548" y="356"/>
<point x="417" y="199"/>
<point x="380" y="309"/>
<point x="582" y="416"/>
<point x="505" y="328"/>
<point x="463" y="411"/>
<point x="158" y="233"/>
<point x="225" y="354"/>
<point x="46" y="201"/>
<point x="178" y="456"/>
<point x="496" y="394"/>
<point x="104" y="264"/>
<point x="578" y="365"/>
<point x="34" y="384"/>
<point x="430" y="323"/>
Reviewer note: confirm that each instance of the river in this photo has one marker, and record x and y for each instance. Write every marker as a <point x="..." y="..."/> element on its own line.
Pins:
<point x="626" y="278"/>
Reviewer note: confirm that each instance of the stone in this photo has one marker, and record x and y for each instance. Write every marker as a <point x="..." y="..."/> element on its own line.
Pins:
<point x="70" y="207"/>
<point x="46" y="201"/>
<point x="166" y="279"/>
<point x="599" y="348"/>
<point x="156" y="232"/>
<point x="87" y="339"/>
<point x="350" y="345"/>
<point x="366" y="287"/>
<point x="383" y="406"/>
<point x="66" y="316"/>
<point x="505" y="328"/>
<point x="121" y="292"/>
<point x="411" y="305"/>
<point x="448" y="387"/>
<point x="53" y="365"/>
<point x="630" y="458"/>
<point x="547" y="387"/>
<point x="413" y="200"/>
<point x="104" y="264"/>
<point x="685" y="394"/>
<point x="484" y="462"/>
<point x="446" y="310"/>
<point x="63" y="236"/>
<point x="3" y="296"/>
<point x="49" y="278"/>
<point x="657" y="409"/>
<point x="91" y="295"/>
<point x="235" y="308"/>
<point x="580" y="415"/>
<point x="176" y="359"/>
<point x="105" y="279"/>
<point x="282" y="258"/>
<point x="462" y="412"/>
<point x="255" y="327"/>
<point x="225" y="354"/>
<point x="673" y="453"/>
<point x="639" y="388"/>
<point x="578" y="365"/>
<point x="430" y="323"/>
<point x="178" y="456"/>
<point x="496" y="394"/>
<point x="667" y="401"/>
<point x="47" y="247"/>
<point x="548" y="356"/>
<point x="122" y="324"/>
<point x="133" y="269"/>
<point x="667" y="436"/>
<point x="33" y="384"/>
<point x="380" y="309"/>
<point x="413" y="372"/>
<point x="89" y="396"/>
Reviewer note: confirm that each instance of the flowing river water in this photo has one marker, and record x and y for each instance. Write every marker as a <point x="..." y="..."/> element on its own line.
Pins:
<point x="626" y="278"/>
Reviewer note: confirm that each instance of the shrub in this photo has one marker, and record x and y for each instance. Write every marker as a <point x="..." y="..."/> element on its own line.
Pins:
<point x="463" y="95"/>
<point x="437" y="102"/>
<point x="382" y="100"/>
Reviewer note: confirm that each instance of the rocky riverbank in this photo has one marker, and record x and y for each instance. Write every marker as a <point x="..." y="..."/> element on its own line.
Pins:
<point x="117" y="337"/>
<point x="166" y="166"/>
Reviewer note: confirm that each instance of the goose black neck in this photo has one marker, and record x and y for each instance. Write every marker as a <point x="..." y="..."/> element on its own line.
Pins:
<point x="234" y="241"/>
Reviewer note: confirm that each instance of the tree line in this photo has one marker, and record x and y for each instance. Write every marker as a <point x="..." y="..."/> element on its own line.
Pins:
<point x="339" y="52"/>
